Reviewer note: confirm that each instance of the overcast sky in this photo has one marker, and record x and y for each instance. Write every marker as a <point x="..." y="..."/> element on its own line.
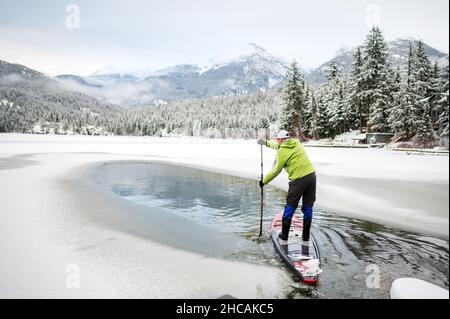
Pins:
<point x="154" y="34"/>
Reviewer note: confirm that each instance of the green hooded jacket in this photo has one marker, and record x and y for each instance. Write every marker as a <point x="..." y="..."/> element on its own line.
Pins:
<point x="292" y="157"/>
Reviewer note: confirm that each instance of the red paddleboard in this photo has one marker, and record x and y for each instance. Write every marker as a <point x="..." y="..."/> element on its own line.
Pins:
<point x="303" y="260"/>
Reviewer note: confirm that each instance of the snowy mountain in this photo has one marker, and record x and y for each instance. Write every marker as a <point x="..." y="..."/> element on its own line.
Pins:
<point x="17" y="70"/>
<point x="251" y="69"/>
<point x="32" y="90"/>
<point x="121" y="73"/>
<point x="398" y="55"/>
<point x="181" y="70"/>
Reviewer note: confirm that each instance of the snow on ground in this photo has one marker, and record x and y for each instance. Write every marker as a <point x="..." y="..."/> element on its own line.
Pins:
<point x="412" y="288"/>
<point x="47" y="216"/>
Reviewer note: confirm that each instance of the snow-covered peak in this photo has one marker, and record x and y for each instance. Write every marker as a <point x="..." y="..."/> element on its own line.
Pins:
<point x="244" y="52"/>
<point x="107" y="70"/>
<point x="252" y="55"/>
<point x="252" y="49"/>
<point x="248" y="53"/>
<point x="345" y="50"/>
<point x="181" y="69"/>
<point x="123" y="71"/>
<point x="402" y="41"/>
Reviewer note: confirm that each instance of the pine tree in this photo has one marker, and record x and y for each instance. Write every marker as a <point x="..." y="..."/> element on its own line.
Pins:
<point x="435" y="93"/>
<point x="421" y="88"/>
<point x="443" y="104"/>
<point x="407" y="97"/>
<point x="336" y="99"/>
<point x="293" y="114"/>
<point x="323" y="122"/>
<point x="401" y="112"/>
<point x="307" y="114"/>
<point x="375" y="74"/>
<point x="264" y="124"/>
<point x="357" y="112"/>
<point x="333" y="71"/>
<point x="313" y="109"/>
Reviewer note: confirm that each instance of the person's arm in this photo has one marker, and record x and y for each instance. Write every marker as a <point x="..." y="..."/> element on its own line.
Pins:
<point x="270" y="144"/>
<point x="278" y="167"/>
<point x="273" y="145"/>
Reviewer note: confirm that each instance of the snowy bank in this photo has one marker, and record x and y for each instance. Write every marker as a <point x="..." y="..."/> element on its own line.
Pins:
<point x="54" y="228"/>
<point x="412" y="288"/>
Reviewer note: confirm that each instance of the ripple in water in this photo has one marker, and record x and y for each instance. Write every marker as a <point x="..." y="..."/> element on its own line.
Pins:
<point x="352" y="250"/>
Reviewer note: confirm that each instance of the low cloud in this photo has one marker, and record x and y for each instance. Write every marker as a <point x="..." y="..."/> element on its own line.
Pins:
<point x="123" y="94"/>
<point x="9" y="79"/>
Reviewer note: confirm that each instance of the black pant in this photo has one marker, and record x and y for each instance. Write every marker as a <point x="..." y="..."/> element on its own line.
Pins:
<point x="302" y="188"/>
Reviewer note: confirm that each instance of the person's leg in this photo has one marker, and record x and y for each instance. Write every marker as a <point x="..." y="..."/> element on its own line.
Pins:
<point x="309" y="198"/>
<point x="292" y="200"/>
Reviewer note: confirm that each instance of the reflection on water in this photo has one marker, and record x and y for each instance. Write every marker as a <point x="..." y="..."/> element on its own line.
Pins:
<point x="231" y="205"/>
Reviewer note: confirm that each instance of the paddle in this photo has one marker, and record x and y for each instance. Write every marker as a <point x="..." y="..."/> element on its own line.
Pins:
<point x="262" y="195"/>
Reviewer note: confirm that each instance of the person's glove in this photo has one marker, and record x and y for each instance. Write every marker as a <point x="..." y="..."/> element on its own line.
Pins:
<point x="261" y="142"/>
<point x="261" y="184"/>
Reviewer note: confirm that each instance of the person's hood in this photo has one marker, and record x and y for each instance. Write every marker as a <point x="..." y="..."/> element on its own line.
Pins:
<point x="289" y="143"/>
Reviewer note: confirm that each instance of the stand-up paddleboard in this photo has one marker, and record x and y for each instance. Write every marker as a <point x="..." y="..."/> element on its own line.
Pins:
<point x="302" y="260"/>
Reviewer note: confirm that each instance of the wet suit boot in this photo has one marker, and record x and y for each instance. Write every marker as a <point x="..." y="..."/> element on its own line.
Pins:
<point x="286" y="224"/>
<point x="305" y="250"/>
<point x="306" y="229"/>
<point x="305" y="236"/>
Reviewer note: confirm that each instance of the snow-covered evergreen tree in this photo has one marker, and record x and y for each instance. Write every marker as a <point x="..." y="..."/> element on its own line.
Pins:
<point x="443" y="104"/>
<point x="313" y="119"/>
<point x="407" y="98"/>
<point x="401" y="114"/>
<point x="356" y="109"/>
<point x="333" y="71"/>
<point x="375" y="74"/>
<point x="293" y="114"/>
<point x="264" y="124"/>
<point x="421" y="87"/>
<point x="335" y="95"/>
<point x="435" y="93"/>
<point x="323" y="122"/>
<point x="307" y="114"/>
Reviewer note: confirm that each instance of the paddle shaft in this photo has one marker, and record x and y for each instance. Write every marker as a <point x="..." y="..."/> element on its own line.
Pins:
<point x="262" y="195"/>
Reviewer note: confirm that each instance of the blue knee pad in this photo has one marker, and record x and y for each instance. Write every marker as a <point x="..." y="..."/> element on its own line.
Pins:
<point x="289" y="212"/>
<point x="307" y="213"/>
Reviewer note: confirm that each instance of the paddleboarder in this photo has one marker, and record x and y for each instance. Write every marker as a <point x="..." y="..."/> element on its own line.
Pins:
<point x="302" y="180"/>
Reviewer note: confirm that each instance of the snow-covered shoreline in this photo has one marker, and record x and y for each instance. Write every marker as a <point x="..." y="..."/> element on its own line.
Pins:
<point x="392" y="188"/>
<point x="58" y="223"/>
<point x="53" y="222"/>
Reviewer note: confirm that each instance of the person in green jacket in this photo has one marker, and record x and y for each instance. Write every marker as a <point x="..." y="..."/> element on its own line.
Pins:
<point x="302" y="181"/>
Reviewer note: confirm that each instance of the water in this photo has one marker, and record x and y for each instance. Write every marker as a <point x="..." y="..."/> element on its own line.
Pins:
<point x="355" y="254"/>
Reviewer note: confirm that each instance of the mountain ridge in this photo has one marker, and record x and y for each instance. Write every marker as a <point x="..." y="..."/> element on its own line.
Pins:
<point x="398" y="50"/>
<point x="251" y="69"/>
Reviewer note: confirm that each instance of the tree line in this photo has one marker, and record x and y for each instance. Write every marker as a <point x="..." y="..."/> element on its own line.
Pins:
<point x="373" y="98"/>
